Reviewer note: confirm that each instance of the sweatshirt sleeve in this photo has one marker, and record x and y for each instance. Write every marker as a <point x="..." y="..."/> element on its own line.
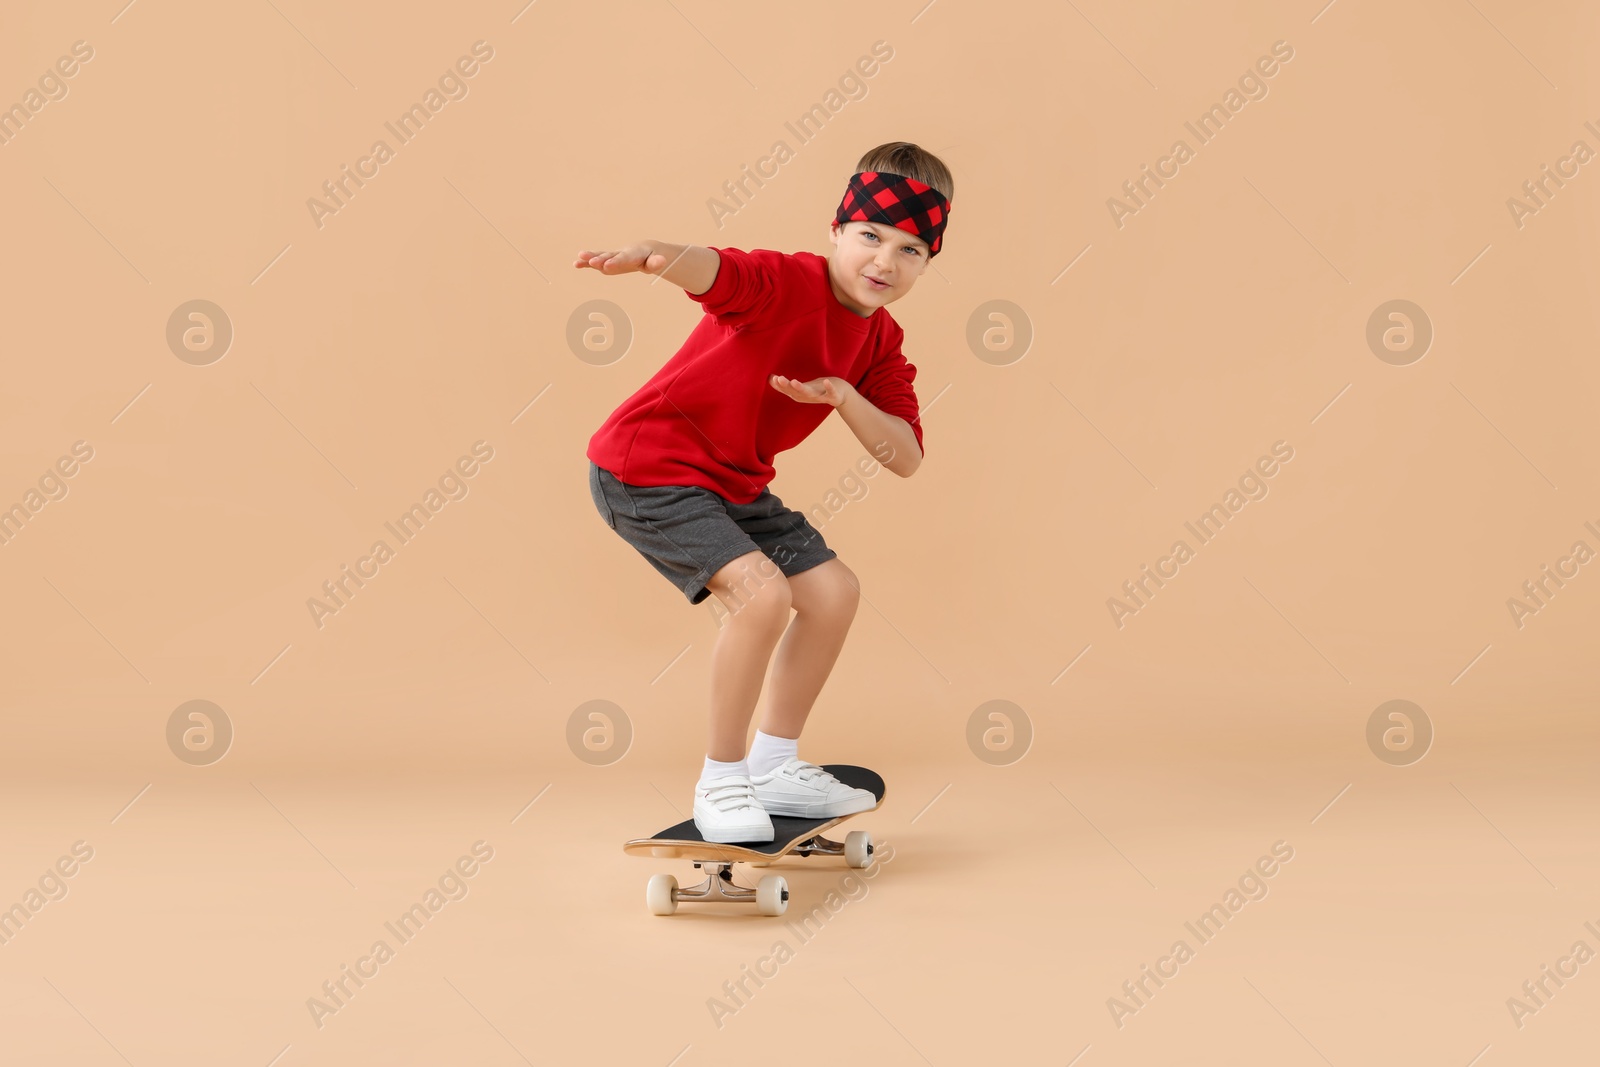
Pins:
<point x="744" y="286"/>
<point x="887" y="386"/>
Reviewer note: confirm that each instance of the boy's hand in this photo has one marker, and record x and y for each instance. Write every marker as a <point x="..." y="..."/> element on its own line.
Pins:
<point x="828" y="390"/>
<point x="640" y="257"/>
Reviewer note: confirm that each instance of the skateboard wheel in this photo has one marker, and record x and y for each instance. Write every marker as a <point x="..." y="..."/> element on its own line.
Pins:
<point x="858" y="848"/>
<point x="772" y="895"/>
<point x="662" y="894"/>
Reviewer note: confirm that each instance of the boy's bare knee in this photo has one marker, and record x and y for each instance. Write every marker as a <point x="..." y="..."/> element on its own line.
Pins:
<point x="753" y="582"/>
<point x="829" y="589"/>
<point x="850" y="589"/>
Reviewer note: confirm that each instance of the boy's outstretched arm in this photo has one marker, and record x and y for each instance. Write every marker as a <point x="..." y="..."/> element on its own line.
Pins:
<point x="875" y="428"/>
<point x="690" y="266"/>
<point x="888" y="437"/>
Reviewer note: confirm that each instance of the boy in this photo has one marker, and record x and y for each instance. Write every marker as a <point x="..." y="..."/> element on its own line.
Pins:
<point x="680" y="469"/>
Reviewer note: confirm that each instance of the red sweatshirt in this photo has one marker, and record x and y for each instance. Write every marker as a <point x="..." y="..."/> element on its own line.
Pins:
<point x="711" y="417"/>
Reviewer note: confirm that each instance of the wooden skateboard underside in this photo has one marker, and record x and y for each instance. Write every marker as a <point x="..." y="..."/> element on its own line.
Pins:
<point x="683" y="841"/>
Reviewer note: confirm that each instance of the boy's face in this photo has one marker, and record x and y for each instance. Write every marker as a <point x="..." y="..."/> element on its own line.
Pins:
<point x="872" y="250"/>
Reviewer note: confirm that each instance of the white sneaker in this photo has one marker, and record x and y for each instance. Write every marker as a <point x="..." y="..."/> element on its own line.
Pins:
<point x="726" y="811"/>
<point x="803" y="790"/>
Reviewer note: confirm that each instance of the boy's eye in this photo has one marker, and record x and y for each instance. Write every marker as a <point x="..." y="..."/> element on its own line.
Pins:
<point x="914" y="250"/>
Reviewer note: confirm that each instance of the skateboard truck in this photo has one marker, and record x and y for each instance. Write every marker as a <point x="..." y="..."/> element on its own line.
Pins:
<point x="719" y="885"/>
<point x="771" y="893"/>
<point x="822" y="846"/>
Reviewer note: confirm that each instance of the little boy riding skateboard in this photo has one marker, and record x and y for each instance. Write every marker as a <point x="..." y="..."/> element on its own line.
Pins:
<point x="680" y="470"/>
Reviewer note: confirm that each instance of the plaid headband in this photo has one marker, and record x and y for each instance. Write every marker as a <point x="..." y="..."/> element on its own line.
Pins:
<point x="898" y="201"/>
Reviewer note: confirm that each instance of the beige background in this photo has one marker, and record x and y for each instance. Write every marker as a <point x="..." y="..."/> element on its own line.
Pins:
<point x="432" y="710"/>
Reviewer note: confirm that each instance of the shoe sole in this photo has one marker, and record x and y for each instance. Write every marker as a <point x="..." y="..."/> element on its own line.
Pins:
<point x="738" y="834"/>
<point x="790" y="812"/>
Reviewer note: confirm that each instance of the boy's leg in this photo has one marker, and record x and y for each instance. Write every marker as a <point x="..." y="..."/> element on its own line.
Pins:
<point x="825" y="598"/>
<point x="758" y="600"/>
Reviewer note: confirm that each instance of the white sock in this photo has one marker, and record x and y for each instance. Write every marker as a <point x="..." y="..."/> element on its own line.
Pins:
<point x="713" y="769"/>
<point x="768" y="752"/>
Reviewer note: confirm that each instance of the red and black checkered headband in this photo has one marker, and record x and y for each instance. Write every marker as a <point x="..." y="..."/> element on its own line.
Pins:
<point x="898" y="201"/>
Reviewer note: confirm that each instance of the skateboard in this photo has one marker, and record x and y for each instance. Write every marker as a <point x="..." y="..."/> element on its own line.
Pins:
<point x="790" y="836"/>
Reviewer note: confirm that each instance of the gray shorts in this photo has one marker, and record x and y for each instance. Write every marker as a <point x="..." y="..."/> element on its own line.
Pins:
<point x="689" y="533"/>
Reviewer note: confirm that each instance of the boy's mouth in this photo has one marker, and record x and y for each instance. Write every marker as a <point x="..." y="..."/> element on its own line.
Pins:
<point x="874" y="283"/>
